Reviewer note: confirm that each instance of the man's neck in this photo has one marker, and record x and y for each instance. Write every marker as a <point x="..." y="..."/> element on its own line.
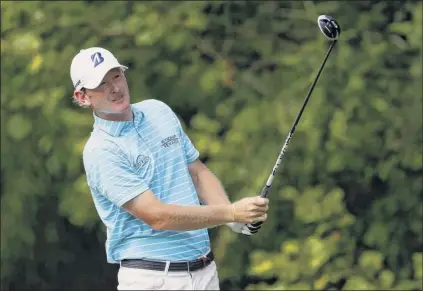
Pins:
<point x="124" y="116"/>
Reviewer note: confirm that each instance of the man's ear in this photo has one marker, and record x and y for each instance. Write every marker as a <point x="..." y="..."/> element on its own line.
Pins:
<point x="82" y="98"/>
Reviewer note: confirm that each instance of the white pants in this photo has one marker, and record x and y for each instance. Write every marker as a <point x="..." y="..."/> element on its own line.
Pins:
<point x="139" y="279"/>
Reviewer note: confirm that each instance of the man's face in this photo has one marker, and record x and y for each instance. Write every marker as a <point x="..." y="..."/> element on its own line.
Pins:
<point x="111" y="97"/>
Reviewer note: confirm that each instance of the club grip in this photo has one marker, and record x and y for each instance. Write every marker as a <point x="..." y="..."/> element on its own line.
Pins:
<point x="256" y="224"/>
<point x="263" y="194"/>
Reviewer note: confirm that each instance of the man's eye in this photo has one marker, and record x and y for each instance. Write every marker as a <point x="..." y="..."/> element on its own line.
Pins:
<point x="117" y="76"/>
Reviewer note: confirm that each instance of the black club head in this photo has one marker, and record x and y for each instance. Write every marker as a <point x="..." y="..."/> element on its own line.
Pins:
<point x="329" y="26"/>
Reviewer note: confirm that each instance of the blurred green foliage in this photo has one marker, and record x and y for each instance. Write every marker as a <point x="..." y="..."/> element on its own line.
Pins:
<point x="346" y="207"/>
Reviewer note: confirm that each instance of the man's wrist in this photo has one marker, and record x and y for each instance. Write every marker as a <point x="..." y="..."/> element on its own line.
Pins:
<point x="229" y="213"/>
<point x="233" y="212"/>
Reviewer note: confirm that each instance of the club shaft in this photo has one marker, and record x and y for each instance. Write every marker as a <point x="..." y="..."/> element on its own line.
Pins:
<point x="269" y="182"/>
<point x="268" y="185"/>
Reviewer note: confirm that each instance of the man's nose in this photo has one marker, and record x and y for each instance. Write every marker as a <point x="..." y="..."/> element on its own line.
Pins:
<point x="115" y="88"/>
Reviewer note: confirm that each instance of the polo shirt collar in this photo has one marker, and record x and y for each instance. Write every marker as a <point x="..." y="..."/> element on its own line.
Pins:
<point x="117" y="128"/>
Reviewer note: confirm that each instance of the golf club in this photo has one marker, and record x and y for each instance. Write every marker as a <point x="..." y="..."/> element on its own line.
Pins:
<point x="330" y="28"/>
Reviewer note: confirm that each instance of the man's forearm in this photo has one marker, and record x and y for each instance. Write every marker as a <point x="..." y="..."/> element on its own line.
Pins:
<point x="176" y="217"/>
<point x="209" y="189"/>
<point x="217" y="211"/>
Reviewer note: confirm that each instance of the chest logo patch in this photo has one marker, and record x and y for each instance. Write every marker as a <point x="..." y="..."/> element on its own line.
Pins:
<point x="170" y="140"/>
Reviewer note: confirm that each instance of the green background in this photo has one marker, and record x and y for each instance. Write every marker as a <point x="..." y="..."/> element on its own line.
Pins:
<point x="346" y="206"/>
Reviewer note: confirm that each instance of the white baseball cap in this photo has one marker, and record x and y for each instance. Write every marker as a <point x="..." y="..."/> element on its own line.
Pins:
<point x="90" y="65"/>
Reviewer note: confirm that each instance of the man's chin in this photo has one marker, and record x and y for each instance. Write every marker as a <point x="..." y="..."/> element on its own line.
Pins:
<point x="122" y="106"/>
<point x="125" y="106"/>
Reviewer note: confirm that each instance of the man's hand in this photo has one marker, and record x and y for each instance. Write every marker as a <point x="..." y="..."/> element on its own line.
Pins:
<point x="247" y="211"/>
<point x="250" y="209"/>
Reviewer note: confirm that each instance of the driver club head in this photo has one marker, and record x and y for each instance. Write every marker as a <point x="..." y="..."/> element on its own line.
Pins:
<point x="329" y="27"/>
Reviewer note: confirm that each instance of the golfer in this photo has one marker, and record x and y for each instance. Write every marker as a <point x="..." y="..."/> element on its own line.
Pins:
<point x="155" y="197"/>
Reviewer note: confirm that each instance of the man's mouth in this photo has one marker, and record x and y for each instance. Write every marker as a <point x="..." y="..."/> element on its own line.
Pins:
<point x="117" y="99"/>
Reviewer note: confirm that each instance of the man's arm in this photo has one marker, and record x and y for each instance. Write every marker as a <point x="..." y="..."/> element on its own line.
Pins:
<point x="162" y="216"/>
<point x="211" y="192"/>
<point x="209" y="189"/>
<point x="217" y="211"/>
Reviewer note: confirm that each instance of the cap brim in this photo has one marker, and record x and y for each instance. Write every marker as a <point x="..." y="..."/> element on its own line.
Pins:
<point x="96" y="81"/>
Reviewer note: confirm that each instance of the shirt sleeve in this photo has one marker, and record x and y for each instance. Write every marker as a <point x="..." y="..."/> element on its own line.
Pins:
<point x="191" y="153"/>
<point x="111" y="175"/>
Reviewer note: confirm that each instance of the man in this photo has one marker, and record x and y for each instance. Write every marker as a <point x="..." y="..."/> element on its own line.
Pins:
<point x="151" y="191"/>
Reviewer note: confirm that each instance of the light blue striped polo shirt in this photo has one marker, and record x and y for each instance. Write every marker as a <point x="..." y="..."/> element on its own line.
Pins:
<point x="122" y="160"/>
